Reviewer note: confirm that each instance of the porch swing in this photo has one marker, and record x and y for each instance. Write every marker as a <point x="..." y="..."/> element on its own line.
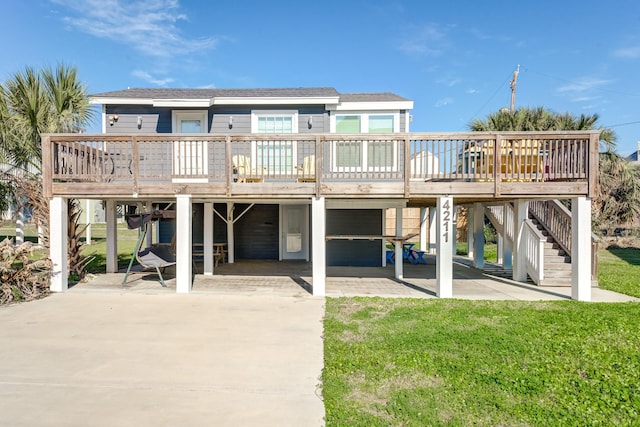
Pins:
<point x="153" y="257"/>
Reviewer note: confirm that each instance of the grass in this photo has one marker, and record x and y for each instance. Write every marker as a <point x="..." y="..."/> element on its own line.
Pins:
<point x="407" y="362"/>
<point x="619" y="270"/>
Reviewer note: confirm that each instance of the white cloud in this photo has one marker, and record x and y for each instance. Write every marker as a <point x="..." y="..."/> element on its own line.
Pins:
<point x="153" y="80"/>
<point x="429" y="39"/>
<point x="149" y="27"/>
<point x="627" y="52"/>
<point x="471" y="91"/>
<point x="583" y="84"/>
<point x="443" y="102"/>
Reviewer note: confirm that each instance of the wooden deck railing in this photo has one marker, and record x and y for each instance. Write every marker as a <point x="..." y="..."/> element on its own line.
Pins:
<point x="398" y="165"/>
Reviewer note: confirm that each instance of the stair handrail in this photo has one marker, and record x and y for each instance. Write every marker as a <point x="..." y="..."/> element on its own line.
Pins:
<point x="555" y="218"/>
<point x="534" y="251"/>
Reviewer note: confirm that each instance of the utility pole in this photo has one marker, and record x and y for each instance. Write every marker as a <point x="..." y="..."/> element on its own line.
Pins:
<point x="513" y="83"/>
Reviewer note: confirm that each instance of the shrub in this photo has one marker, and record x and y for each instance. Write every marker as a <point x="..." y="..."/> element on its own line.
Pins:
<point x="22" y="277"/>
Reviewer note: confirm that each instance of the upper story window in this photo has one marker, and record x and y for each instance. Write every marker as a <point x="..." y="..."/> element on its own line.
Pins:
<point x="264" y="121"/>
<point x="190" y="121"/>
<point x="387" y="122"/>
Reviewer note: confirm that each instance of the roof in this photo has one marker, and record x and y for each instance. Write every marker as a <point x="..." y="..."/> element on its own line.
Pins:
<point x="206" y="97"/>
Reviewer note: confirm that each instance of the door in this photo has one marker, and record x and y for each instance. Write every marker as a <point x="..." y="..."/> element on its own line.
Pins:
<point x="190" y="156"/>
<point x="295" y="232"/>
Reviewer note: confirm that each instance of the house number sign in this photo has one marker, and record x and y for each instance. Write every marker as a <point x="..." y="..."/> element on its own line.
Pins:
<point x="446" y="219"/>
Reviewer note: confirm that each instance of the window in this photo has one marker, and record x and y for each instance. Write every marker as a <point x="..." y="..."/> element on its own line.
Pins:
<point x="273" y="156"/>
<point x="353" y="156"/>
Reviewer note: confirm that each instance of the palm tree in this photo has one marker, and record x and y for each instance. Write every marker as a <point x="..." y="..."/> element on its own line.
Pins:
<point x="618" y="196"/>
<point x="33" y="102"/>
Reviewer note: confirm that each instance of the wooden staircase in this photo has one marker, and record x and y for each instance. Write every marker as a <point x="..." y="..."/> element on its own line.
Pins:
<point x="557" y="263"/>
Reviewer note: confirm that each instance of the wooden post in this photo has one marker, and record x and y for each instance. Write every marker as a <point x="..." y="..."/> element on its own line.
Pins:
<point x="399" y="273"/>
<point x="58" y="244"/>
<point x="319" y="259"/>
<point x="230" y="236"/>
<point x="520" y="212"/>
<point x="581" y="248"/>
<point x="444" y="249"/>
<point x="478" y="235"/>
<point x="184" y="259"/>
<point x="208" y="239"/>
<point x="112" y="236"/>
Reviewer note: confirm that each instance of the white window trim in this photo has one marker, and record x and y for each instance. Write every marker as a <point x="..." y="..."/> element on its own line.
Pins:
<point x="177" y="115"/>
<point x="255" y="114"/>
<point x="364" y="129"/>
<point x="364" y="119"/>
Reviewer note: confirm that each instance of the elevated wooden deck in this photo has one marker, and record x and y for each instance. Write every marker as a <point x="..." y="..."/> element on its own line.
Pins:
<point x="417" y="167"/>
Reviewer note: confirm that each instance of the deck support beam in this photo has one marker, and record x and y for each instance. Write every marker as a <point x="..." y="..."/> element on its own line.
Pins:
<point x="112" y="235"/>
<point x="444" y="247"/>
<point x="230" y="236"/>
<point x="424" y="229"/>
<point x="432" y="231"/>
<point x="520" y="212"/>
<point x="319" y="245"/>
<point x="399" y="273"/>
<point x="208" y="239"/>
<point x="478" y="235"/>
<point x="581" y="248"/>
<point x="184" y="259"/>
<point x="58" y="243"/>
<point x="507" y="251"/>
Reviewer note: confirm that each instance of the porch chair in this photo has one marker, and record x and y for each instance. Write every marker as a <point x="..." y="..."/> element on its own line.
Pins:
<point x="157" y="257"/>
<point x="307" y="172"/>
<point x="243" y="168"/>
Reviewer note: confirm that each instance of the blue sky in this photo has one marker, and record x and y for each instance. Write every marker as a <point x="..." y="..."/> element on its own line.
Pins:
<point x="453" y="59"/>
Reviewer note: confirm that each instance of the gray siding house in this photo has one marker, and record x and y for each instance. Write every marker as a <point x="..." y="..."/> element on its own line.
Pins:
<point x="261" y="233"/>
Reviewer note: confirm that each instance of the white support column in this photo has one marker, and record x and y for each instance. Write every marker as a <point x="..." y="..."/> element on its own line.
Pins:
<point x="183" y="243"/>
<point x="230" y="237"/>
<point x="19" y="227"/>
<point x="208" y="239"/>
<point x="478" y="235"/>
<point x="581" y="248"/>
<point x="383" y="242"/>
<point x="399" y="273"/>
<point x="520" y="211"/>
<point x="58" y="243"/>
<point x="499" y="248"/>
<point x="444" y="249"/>
<point x="424" y="229"/>
<point x="470" y="216"/>
<point x="148" y="207"/>
<point x="88" y="214"/>
<point x="507" y="253"/>
<point x="433" y="239"/>
<point x="318" y="232"/>
<point x="112" y="236"/>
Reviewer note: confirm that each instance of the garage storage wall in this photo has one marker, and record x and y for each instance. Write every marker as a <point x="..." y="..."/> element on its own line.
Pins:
<point x="256" y="232"/>
<point x="354" y="222"/>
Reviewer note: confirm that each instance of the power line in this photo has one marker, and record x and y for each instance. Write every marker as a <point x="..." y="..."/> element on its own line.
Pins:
<point x="623" y="124"/>
<point x="491" y="97"/>
<point x="580" y="84"/>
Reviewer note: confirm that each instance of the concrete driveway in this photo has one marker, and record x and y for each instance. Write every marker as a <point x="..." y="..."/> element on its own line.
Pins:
<point x="124" y="359"/>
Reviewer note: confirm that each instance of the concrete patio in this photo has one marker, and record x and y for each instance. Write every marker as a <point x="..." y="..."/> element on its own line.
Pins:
<point x="293" y="278"/>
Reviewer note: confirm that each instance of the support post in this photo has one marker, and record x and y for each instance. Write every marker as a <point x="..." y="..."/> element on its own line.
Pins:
<point x="318" y="235"/>
<point x="424" y="229"/>
<point x="444" y="248"/>
<point x="581" y="248"/>
<point x="88" y="214"/>
<point x="507" y="253"/>
<point x="399" y="273"/>
<point x="112" y="236"/>
<point x="432" y="231"/>
<point x="230" y="237"/>
<point x="207" y="240"/>
<point x="520" y="211"/>
<point x="478" y="235"/>
<point x="58" y="244"/>
<point x="470" y="242"/>
<point x="183" y="244"/>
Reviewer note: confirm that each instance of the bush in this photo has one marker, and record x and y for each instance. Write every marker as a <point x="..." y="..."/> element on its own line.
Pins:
<point x="22" y="277"/>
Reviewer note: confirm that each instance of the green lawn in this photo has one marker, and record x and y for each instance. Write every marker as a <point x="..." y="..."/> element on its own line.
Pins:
<point x="410" y="362"/>
<point x="619" y="270"/>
